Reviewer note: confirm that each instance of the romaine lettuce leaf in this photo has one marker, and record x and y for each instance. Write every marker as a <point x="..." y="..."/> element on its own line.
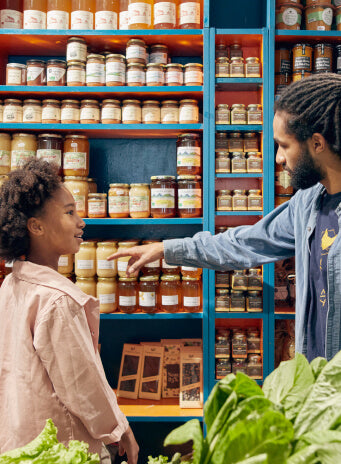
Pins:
<point x="191" y="430"/>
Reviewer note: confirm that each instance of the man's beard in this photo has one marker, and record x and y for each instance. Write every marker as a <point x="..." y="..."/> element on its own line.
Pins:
<point x="305" y="174"/>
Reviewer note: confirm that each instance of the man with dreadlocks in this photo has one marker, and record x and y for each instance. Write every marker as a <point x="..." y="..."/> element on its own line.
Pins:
<point x="307" y="129"/>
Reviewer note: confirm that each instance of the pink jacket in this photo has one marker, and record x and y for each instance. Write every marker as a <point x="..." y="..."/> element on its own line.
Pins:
<point x="49" y="363"/>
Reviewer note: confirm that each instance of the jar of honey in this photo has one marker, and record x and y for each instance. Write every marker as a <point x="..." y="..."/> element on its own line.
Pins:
<point x="76" y="155"/>
<point x="255" y="280"/>
<point x="254" y="162"/>
<point x="254" y="302"/>
<point x="174" y="74"/>
<point x="188" y="154"/>
<point x="158" y="54"/>
<point x="87" y="285"/>
<point x="13" y="111"/>
<point x="163" y="196"/>
<point x="235" y="142"/>
<point x="119" y="200"/>
<point x="238" y="162"/>
<point x="170" y="112"/>
<point x="238" y="114"/>
<point x="34" y="14"/>
<point x="136" y="75"/>
<point x="189" y="271"/>
<point x="115" y="70"/>
<point x="252" y="67"/>
<point x="151" y="113"/>
<point x="224" y="200"/>
<point x="237" y="67"/>
<point x="153" y="268"/>
<point x="188" y="112"/>
<point x="191" y="294"/>
<point x="23" y="147"/>
<point x="254" y="114"/>
<point x="149" y="293"/>
<point x="222" y="162"/>
<point x="111" y="111"/>
<point x="97" y="205"/>
<point x="255" y="200"/>
<point x="122" y="263"/>
<point x="104" y="267"/>
<point x="239" y="280"/>
<point x="65" y="264"/>
<point x="222" y="114"/>
<point x="56" y="72"/>
<point x="89" y="112"/>
<point x="221" y="142"/>
<point x="58" y="12"/>
<point x="127" y="295"/>
<point x="82" y="14"/>
<point x="251" y="143"/>
<point x="32" y="111"/>
<point x="189" y="14"/>
<point x="11" y="16"/>
<point x="222" y="300"/>
<point x="140" y="14"/>
<point x="79" y="188"/>
<point x="131" y="112"/>
<point x="170" y="293"/>
<point x="106" y="293"/>
<point x="106" y="16"/>
<point x="189" y="196"/>
<point x="70" y="112"/>
<point x="85" y="260"/>
<point x="222" y="67"/>
<point x="76" y="50"/>
<point x="238" y="301"/>
<point x="5" y="153"/>
<point x="136" y="52"/>
<point x="139" y="201"/>
<point x="155" y="74"/>
<point x="95" y="70"/>
<point x="169" y="268"/>
<point x="193" y="74"/>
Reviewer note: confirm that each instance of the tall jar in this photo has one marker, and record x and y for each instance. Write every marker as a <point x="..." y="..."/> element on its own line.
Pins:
<point x="85" y="260"/>
<point x="174" y="74"/>
<point x="104" y="267"/>
<point x="82" y="14"/>
<point x="170" y="293"/>
<point x="5" y="153"/>
<point x="90" y="112"/>
<point x="35" y="14"/>
<point x="50" y="149"/>
<point x="51" y="111"/>
<point x="239" y="200"/>
<point x="165" y="14"/>
<point x="79" y="188"/>
<point x="131" y="112"/>
<point x="13" y="111"/>
<point x="151" y="113"/>
<point x="36" y="72"/>
<point x="222" y="114"/>
<point x="58" y="14"/>
<point x="251" y="143"/>
<point x="235" y="142"/>
<point x="127" y="290"/>
<point x="149" y="293"/>
<point x="76" y="155"/>
<point x="170" y="112"/>
<point x="23" y="147"/>
<point x="188" y="154"/>
<point x="238" y="114"/>
<point x="76" y="50"/>
<point x="163" y="196"/>
<point x="70" y="112"/>
<point x="115" y="70"/>
<point x="97" y="205"/>
<point x="122" y="263"/>
<point x="254" y="162"/>
<point x="252" y="67"/>
<point x="75" y="75"/>
<point x="65" y="264"/>
<point x="32" y="111"/>
<point x="111" y="111"/>
<point x="222" y="67"/>
<point x="189" y="196"/>
<point x="119" y="200"/>
<point x="11" y="16"/>
<point x="188" y="112"/>
<point x="255" y="200"/>
<point x="123" y="18"/>
<point x="254" y="114"/>
<point x="87" y="285"/>
<point x="191" y="294"/>
<point x="153" y="268"/>
<point x="95" y="70"/>
<point x="140" y="14"/>
<point x="189" y="14"/>
<point x="139" y="201"/>
<point x="106" y="291"/>
<point x="106" y="17"/>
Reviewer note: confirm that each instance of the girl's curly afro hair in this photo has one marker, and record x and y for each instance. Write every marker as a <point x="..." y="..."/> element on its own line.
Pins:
<point x="22" y="196"/>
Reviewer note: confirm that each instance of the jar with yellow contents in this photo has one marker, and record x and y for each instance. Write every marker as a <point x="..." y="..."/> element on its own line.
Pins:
<point x="153" y="268"/>
<point x="87" y="285"/>
<point x="106" y="292"/>
<point x="149" y="293"/>
<point x="97" y="205"/>
<point x="76" y="155"/>
<point x="170" y="293"/>
<point x="127" y="295"/>
<point x="122" y="263"/>
<point x="65" y="264"/>
<point x="5" y="153"/>
<point x="104" y="267"/>
<point x="139" y="201"/>
<point x="191" y="294"/>
<point x="85" y="260"/>
<point x="79" y="188"/>
<point x="119" y="200"/>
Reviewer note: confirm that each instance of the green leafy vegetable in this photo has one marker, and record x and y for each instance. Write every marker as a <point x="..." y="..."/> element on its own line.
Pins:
<point x="317" y="365"/>
<point x="191" y="430"/>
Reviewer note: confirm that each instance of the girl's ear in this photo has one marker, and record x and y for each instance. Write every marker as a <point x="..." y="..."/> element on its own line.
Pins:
<point x="35" y="227"/>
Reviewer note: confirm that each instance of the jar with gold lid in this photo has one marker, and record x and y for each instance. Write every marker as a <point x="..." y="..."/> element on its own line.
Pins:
<point x="89" y="112"/>
<point x="235" y="142"/>
<point x="76" y="155"/>
<point x="188" y="112"/>
<point x="13" y="111"/>
<point x="95" y="70"/>
<point x="174" y="74"/>
<point x="222" y="67"/>
<point x="149" y="294"/>
<point x="193" y="74"/>
<point x="169" y="268"/>
<point x="237" y="67"/>
<point x="224" y="200"/>
<point x="131" y="112"/>
<point x="136" y="75"/>
<point x="115" y="69"/>
<point x="36" y="72"/>
<point x="76" y="74"/>
<point x="255" y="200"/>
<point x="238" y="114"/>
<point x="5" y="153"/>
<point x="153" y="268"/>
<point x="139" y="201"/>
<point x="254" y="114"/>
<point x="163" y="196"/>
<point x="79" y="188"/>
<point x="155" y="74"/>
<point x="104" y="267"/>
<point x="189" y="196"/>
<point x="254" y="162"/>
<point x="239" y="200"/>
<point x="239" y="280"/>
<point x="191" y="294"/>
<point x="222" y="162"/>
<point x="188" y="154"/>
<point x="106" y="291"/>
<point x="118" y="200"/>
<point x="222" y="114"/>
<point x="97" y="205"/>
<point x="70" y="112"/>
<point x="122" y="262"/>
<point x="50" y="149"/>
<point x="127" y="290"/>
<point x="158" y="54"/>
<point x="251" y="143"/>
<point x="170" y="112"/>
<point x="76" y="50"/>
<point x="51" y="111"/>
<point x="252" y="67"/>
<point x="170" y="293"/>
<point x="136" y="52"/>
<point x="151" y="113"/>
<point x="56" y="72"/>
<point x="238" y="162"/>
<point x="85" y="260"/>
<point x="32" y="111"/>
<point x="16" y="74"/>
<point x="23" y="147"/>
<point x="92" y="185"/>
<point x="111" y="111"/>
<point x="87" y="285"/>
<point x="65" y="264"/>
<point x="222" y="300"/>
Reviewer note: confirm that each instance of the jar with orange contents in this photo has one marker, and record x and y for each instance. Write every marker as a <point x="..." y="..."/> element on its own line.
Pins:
<point x="79" y="188"/>
<point x="153" y="268"/>
<point x="97" y="205"/>
<point x="122" y="263"/>
<point x="163" y="196"/>
<point x="119" y="200"/>
<point x="189" y="271"/>
<point x="139" y="201"/>
<point x="127" y="295"/>
<point x="188" y="154"/>
<point x="189" y="14"/>
<point x="169" y="268"/>
<point x="149" y="293"/>
<point x="170" y="293"/>
<point x="189" y="196"/>
<point x="191" y="294"/>
<point x="76" y="155"/>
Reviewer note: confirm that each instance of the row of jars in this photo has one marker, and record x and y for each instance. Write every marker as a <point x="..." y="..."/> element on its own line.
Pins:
<point x="227" y="300"/>
<point x="100" y="14"/>
<point x="240" y="280"/>
<point x="239" y="200"/>
<point x="90" y="111"/>
<point x="230" y="142"/>
<point x="238" y="114"/>
<point x="238" y="67"/>
<point x="251" y="367"/>
<point x="238" y="162"/>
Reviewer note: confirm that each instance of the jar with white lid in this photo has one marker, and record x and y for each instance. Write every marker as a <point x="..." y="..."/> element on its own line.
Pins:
<point x="65" y="264"/>
<point x="76" y="49"/>
<point x="5" y="153"/>
<point x="151" y="113"/>
<point x="51" y="111"/>
<point x="23" y="147"/>
<point x="32" y="111"/>
<point x="89" y="113"/>
<point x="158" y="54"/>
<point x="139" y="201"/>
<point x="70" y="112"/>
<point x="95" y="70"/>
<point x="188" y="112"/>
<point x="115" y="69"/>
<point x="136" y="52"/>
<point x="104" y="267"/>
<point x="106" y="292"/>
<point x="75" y="75"/>
<point x="87" y="285"/>
<point x="111" y="111"/>
<point x="193" y="74"/>
<point x="79" y="188"/>
<point x="13" y="111"/>
<point x="238" y="114"/>
<point x="131" y="112"/>
<point x="174" y="74"/>
<point x="155" y="74"/>
<point x="85" y="259"/>
<point x="16" y="74"/>
<point x="136" y="75"/>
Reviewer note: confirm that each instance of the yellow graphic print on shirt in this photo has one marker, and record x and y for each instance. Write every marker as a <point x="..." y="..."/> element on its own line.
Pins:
<point x="327" y="240"/>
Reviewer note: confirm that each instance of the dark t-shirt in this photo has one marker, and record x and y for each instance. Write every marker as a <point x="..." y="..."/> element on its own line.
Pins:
<point x="325" y="233"/>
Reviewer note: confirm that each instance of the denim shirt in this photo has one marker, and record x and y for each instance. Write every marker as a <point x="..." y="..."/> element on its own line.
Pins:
<point x="283" y="233"/>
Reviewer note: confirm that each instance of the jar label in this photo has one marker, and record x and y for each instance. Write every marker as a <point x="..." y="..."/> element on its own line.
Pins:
<point x="189" y="13"/>
<point x="323" y="64"/>
<point x="151" y="115"/>
<point x="5" y="158"/>
<point x="107" y="298"/>
<point x="188" y="156"/>
<point x="255" y="203"/>
<point x="338" y="19"/>
<point x="55" y="74"/>
<point x="70" y="114"/>
<point x="252" y="70"/>
<point x="122" y="265"/>
<point x="124" y="20"/>
<point x="222" y="117"/>
<point x="326" y="16"/>
<point x="147" y="298"/>
<point x="97" y="207"/>
<point x="106" y="20"/>
<point x="153" y="264"/>
<point x="139" y="13"/>
<point x="85" y="264"/>
<point x="222" y="70"/>
<point x="155" y="77"/>
<point x="168" y="300"/>
<point x="164" y="13"/>
<point x="188" y="113"/>
<point x="115" y="72"/>
<point x="82" y="20"/>
<point x="57" y="19"/>
<point x="105" y="264"/>
<point x="49" y="112"/>
<point x="254" y="117"/>
<point x="76" y="51"/>
<point x="135" y="77"/>
<point x="254" y="165"/>
<point x="19" y="157"/>
<point x="302" y="62"/>
<point x="283" y="179"/>
<point x="75" y="75"/>
<point x="119" y="204"/>
<point x="33" y="72"/>
<point x="285" y="66"/>
<point x="136" y="51"/>
<point x="167" y="266"/>
<point x="174" y="77"/>
<point x="10" y="19"/>
<point x="189" y="268"/>
<point x="193" y="77"/>
<point x="139" y="203"/>
<point x="158" y="57"/>
<point x="74" y="160"/>
<point x="95" y="73"/>
<point x="237" y="69"/>
<point x="290" y="17"/>
<point x="238" y="117"/>
<point x="34" y="19"/>
<point x="51" y="156"/>
<point x="14" y="76"/>
<point x="162" y="198"/>
<point x="127" y="300"/>
<point x="239" y="203"/>
<point x="169" y="115"/>
<point x="91" y="114"/>
<point x="111" y="113"/>
<point x="191" y="301"/>
<point x="63" y="261"/>
<point x="80" y="203"/>
<point x="189" y="198"/>
<point x="131" y="113"/>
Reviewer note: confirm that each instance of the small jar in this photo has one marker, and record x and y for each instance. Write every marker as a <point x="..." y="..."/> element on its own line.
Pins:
<point x="221" y="50"/>
<point x="282" y="61"/>
<point x="169" y="268"/>
<point x="13" y="111"/>
<point x="115" y="70"/>
<point x="5" y="153"/>
<point x="92" y="185"/>
<point x="97" y="205"/>
<point x="222" y="162"/>
<point x="122" y="263"/>
<point x="70" y="112"/>
<point x="155" y="74"/>
<point x="193" y="74"/>
<point x="222" y="300"/>
<point x="136" y="52"/>
<point x="149" y="293"/>
<point x="36" y="72"/>
<point x="174" y="74"/>
<point x="16" y="74"/>
<point x="239" y="200"/>
<point x="237" y="301"/>
<point x="237" y="67"/>
<point x="222" y="367"/>
<point x="136" y="75"/>
<point x="139" y="201"/>
<point x="50" y="149"/>
<point x="89" y="112"/>
<point x="188" y="154"/>
<point x="79" y="188"/>
<point x="224" y="200"/>
<point x="252" y="67"/>
<point x="239" y="280"/>
<point x="251" y="143"/>
<point x="239" y="343"/>
<point x="238" y="114"/>
<point x="170" y="293"/>
<point x="254" y="302"/>
<point x="319" y="17"/>
<point x="76" y="50"/>
<point x="163" y="196"/>
<point x="323" y="57"/>
<point x="302" y="57"/>
<point x="131" y="112"/>
<point x="119" y="200"/>
<point x="104" y="267"/>
<point x="106" y="293"/>
<point x="221" y="142"/>
<point x="188" y="112"/>
<point x="289" y="16"/>
<point x="85" y="260"/>
<point x="191" y="294"/>
<point x="236" y="51"/>
<point x="238" y="162"/>
<point x="222" y="114"/>
<point x="76" y="155"/>
<point x="65" y="264"/>
<point x="189" y="196"/>
<point x="111" y="111"/>
<point x="170" y="112"/>
<point x="127" y="290"/>
<point x="254" y="366"/>
<point x="222" y="67"/>
<point x="254" y="162"/>
<point x="151" y="113"/>
<point x="254" y="114"/>
<point x="239" y="365"/>
<point x="87" y="285"/>
<point x="253" y="342"/>
<point x="255" y="200"/>
<point x="153" y="268"/>
<point x="158" y="54"/>
<point x="235" y="142"/>
<point x="75" y="75"/>
<point x="255" y="280"/>
<point x="95" y="70"/>
<point x="56" y="72"/>
<point x="32" y="111"/>
<point x="51" y="111"/>
<point x="23" y="147"/>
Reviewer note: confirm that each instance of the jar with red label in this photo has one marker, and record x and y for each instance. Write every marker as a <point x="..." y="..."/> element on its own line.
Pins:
<point x="165" y="14"/>
<point x="191" y="294"/>
<point x="188" y="154"/>
<point x="97" y="205"/>
<point x="76" y="155"/>
<point x="127" y="294"/>
<point x="149" y="293"/>
<point x="170" y="293"/>
<point x="50" y="148"/>
<point x="163" y="190"/>
<point x="189" y="196"/>
<point x="189" y="14"/>
<point x="222" y="67"/>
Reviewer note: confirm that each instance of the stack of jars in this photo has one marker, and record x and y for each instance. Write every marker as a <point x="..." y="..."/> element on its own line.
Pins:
<point x="239" y="200"/>
<point x="238" y="350"/>
<point x="231" y="63"/>
<point x="238" y="114"/>
<point x="244" y="151"/>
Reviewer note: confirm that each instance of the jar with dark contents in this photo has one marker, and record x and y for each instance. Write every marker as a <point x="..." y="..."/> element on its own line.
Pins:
<point x="188" y="154"/>
<point x="222" y="279"/>
<point x="127" y="294"/>
<point x="222" y="300"/>
<point x="239" y="365"/>
<point x="189" y="196"/>
<point x="163" y="191"/>
<point x="170" y="293"/>
<point x="222" y="367"/>
<point x="239" y="280"/>
<point x="222" y="162"/>
<point x="222" y="342"/>
<point x="239" y="344"/>
<point x="235" y="142"/>
<point x="237" y="301"/>
<point x="254" y="302"/>
<point x="251" y="142"/>
<point x="50" y="148"/>
<point x="149" y="293"/>
<point x="323" y="58"/>
<point x="221" y="142"/>
<point x="254" y="366"/>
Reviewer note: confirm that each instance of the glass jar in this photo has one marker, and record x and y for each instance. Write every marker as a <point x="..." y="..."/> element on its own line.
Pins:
<point x="75" y="75"/>
<point x="149" y="293"/>
<point x="140" y="14"/>
<point x="222" y="367"/>
<point x="170" y="112"/>
<point x="95" y="70"/>
<point x="222" y="279"/>
<point x="282" y="60"/>
<point x="222" y="300"/>
<point x="51" y="111"/>
<point x="92" y="185"/>
<point x="76" y="50"/>
<point x="106" y="16"/>
<point x="85" y="259"/>
<point x="89" y="112"/>
<point x="119" y="200"/>
<point x="323" y="57"/>
<point x="174" y="74"/>
<point x="170" y="293"/>
<point x="189" y="196"/>
<point x="254" y="162"/>
<point x="16" y="74"/>
<point x="193" y="74"/>
<point x="188" y="112"/>
<point x="239" y="200"/>
<point x="122" y="263"/>
<point x="282" y="181"/>
<point x="5" y="153"/>
<point x="106" y="293"/>
<point x="189" y="271"/>
<point x="115" y="70"/>
<point x="237" y="68"/>
<point x="13" y="111"/>
<point x="65" y="264"/>
<point x="56" y="72"/>
<point x="302" y="57"/>
<point x="32" y="111"/>
<point x="136" y="75"/>
<point x="222" y="114"/>
<point x="251" y="142"/>
<point x="252" y="67"/>
<point x="70" y="112"/>
<point x="151" y="113"/>
<point x="188" y="154"/>
<point x="254" y="302"/>
<point x="222" y="162"/>
<point x="139" y="201"/>
<point x="158" y="54"/>
<point x="239" y="365"/>
<point x="153" y="268"/>
<point x="82" y="14"/>
<point x="155" y="74"/>
<point x="191" y="294"/>
<point x="163" y="196"/>
<point x="127" y="295"/>
<point x="79" y="188"/>
<point x="238" y="162"/>
<point x="131" y="112"/>
<point x="238" y="114"/>
<point x="255" y="200"/>
<point x="236" y="51"/>
<point x="221" y="142"/>
<point x="97" y="205"/>
<point x="104" y="267"/>
<point x="189" y="14"/>
<point x="235" y="142"/>
<point x="255" y="280"/>
<point x="50" y="148"/>
<point x="169" y="268"/>
<point x="222" y="67"/>
<point x="253" y="342"/>
<point x="34" y="14"/>
<point x="254" y="366"/>
<point x="239" y="343"/>
<point x="237" y="301"/>
<point x="254" y="114"/>
<point x="123" y="19"/>
<point x="11" y="16"/>
<point x="36" y="72"/>
<point x="58" y="13"/>
<point x="76" y="155"/>
<point x="224" y="200"/>
<point x="87" y="285"/>
<point x="221" y="51"/>
<point x="239" y="280"/>
<point x="23" y="147"/>
<point x="136" y="52"/>
<point x="111" y="112"/>
<point x="165" y="14"/>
